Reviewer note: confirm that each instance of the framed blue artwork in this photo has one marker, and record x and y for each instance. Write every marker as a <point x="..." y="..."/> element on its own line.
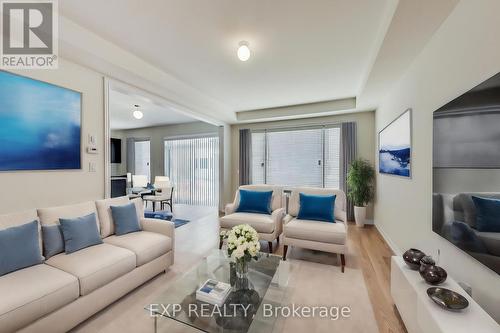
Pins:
<point x="394" y="147"/>
<point x="40" y="125"/>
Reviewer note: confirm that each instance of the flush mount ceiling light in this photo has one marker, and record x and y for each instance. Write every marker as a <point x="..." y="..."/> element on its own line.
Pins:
<point x="243" y="51"/>
<point x="137" y="114"/>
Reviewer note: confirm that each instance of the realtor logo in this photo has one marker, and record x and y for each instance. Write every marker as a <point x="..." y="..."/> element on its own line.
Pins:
<point x="29" y="34"/>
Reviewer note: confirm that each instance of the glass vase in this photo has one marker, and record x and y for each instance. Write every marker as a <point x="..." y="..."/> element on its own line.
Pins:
<point x="241" y="269"/>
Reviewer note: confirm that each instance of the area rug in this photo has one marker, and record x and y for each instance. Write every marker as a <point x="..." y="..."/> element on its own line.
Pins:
<point x="180" y="222"/>
<point x="315" y="279"/>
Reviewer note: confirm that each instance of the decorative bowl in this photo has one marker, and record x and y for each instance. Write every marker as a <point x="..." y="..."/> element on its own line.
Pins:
<point x="447" y="299"/>
<point x="434" y="275"/>
<point x="412" y="258"/>
<point x="424" y="263"/>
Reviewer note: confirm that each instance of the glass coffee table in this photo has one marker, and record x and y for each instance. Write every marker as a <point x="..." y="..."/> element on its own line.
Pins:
<point x="245" y="309"/>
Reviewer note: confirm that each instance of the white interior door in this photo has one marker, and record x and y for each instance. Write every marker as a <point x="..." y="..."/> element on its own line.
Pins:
<point x="143" y="158"/>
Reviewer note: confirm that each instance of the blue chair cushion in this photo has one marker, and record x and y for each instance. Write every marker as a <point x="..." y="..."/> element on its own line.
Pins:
<point x="255" y="202"/>
<point x="19" y="247"/>
<point x="80" y="232"/>
<point x="125" y="219"/>
<point x="487" y="214"/>
<point x="316" y="207"/>
<point x="53" y="240"/>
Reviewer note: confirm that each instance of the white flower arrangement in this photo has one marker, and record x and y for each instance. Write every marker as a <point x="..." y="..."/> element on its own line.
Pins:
<point x="242" y="242"/>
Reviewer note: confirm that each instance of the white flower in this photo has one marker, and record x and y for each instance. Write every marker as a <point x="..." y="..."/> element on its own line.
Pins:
<point x="238" y="253"/>
<point x="242" y="240"/>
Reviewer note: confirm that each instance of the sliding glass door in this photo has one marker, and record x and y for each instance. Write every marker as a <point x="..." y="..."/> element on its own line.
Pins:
<point x="193" y="166"/>
<point x="297" y="157"/>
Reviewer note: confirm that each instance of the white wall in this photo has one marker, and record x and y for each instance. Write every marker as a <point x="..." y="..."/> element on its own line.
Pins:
<point x="365" y="128"/>
<point x="30" y="189"/>
<point x="464" y="52"/>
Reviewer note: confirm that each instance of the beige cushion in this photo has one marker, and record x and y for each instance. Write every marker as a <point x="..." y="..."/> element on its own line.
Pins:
<point x="52" y="215"/>
<point x="323" y="232"/>
<point x="260" y="222"/>
<point x="33" y="292"/>
<point x="340" y="200"/>
<point x="105" y="216"/>
<point x="277" y="198"/>
<point x="16" y="219"/>
<point x="491" y="240"/>
<point x="95" y="266"/>
<point x="139" y="207"/>
<point x="146" y="245"/>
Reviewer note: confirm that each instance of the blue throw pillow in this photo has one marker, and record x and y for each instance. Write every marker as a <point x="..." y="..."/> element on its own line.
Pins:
<point x="80" y="232"/>
<point x="125" y="219"/>
<point x="255" y="202"/>
<point x="53" y="240"/>
<point x="487" y="214"/>
<point x="19" y="247"/>
<point x="316" y="207"/>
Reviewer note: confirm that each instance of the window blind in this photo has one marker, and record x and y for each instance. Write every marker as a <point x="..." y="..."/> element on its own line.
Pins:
<point x="258" y="157"/>
<point x="297" y="157"/>
<point x="193" y="166"/>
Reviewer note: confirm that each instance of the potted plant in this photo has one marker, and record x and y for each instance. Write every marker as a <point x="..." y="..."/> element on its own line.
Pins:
<point x="360" y="188"/>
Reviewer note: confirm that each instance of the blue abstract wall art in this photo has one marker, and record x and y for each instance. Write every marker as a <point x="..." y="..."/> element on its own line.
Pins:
<point x="40" y="125"/>
<point x="395" y="147"/>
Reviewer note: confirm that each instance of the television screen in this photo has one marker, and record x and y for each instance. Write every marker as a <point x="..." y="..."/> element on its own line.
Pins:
<point x="116" y="150"/>
<point x="466" y="172"/>
<point x="40" y="125"/>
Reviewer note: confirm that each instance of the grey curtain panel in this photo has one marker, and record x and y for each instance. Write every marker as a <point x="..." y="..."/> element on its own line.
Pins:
<point x="349" y="153"/>
<point x="131" y="155"/>
<point x="245" y="157"/>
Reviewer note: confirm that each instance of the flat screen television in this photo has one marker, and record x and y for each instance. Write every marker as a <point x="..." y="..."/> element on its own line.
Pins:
<point x="466" y="172"/>
<point x="40" y="125"/>
<point x="116" y="150"/>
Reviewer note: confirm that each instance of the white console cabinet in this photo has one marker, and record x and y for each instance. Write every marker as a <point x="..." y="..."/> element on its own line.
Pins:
<point x="421" y="315"/>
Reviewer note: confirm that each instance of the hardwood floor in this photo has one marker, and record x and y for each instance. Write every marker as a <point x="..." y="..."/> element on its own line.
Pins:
<point x="374" y="257"/>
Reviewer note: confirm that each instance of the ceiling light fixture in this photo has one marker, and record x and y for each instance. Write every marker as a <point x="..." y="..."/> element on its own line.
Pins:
<point x="243" y="51"/>
<point x="137" y="114"/>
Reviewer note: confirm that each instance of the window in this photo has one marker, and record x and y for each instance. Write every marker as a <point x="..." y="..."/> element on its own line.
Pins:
<point x="297" y="157"/>
<point x="142" y="158"/>
<point x="193" y="167"/>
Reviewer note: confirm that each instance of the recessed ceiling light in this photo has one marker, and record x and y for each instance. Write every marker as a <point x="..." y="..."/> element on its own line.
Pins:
<point x="137" y="114"/>
<point x="243" y="51"/>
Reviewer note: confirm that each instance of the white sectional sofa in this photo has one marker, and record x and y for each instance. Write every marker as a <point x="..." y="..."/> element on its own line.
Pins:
<point x="68" y="288"/>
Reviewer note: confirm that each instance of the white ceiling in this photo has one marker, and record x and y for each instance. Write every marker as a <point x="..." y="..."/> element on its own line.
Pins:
<point x="303" y="51"/>
<point x="121" y="106"/>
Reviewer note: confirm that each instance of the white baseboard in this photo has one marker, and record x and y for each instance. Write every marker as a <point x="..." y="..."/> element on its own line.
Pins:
<point x="397" y="251"/>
